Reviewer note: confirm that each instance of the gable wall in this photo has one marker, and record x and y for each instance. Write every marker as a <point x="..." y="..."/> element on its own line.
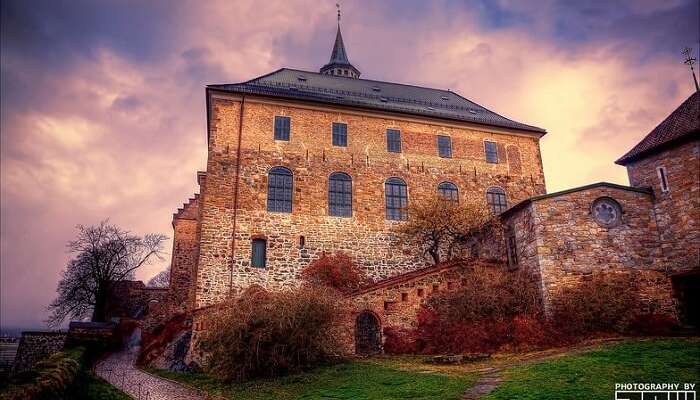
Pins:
<point x="678" y="210"/>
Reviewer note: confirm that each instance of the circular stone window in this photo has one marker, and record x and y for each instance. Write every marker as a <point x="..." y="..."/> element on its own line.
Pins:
<point x="607" y="212"/>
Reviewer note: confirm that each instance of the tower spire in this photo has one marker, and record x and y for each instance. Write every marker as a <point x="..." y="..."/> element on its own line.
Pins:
<point x="339" y="64"/>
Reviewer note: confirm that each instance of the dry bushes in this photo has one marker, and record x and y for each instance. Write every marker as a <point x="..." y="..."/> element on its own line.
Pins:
<point x="265" y="334"/>
<point x="604" y="302"/>
<point x="500" y="310"/>
<point x="489" y="294"/>
<point x="494" y="308"/>
<point x="336" y="271"/>
<point x="48" y="379"/>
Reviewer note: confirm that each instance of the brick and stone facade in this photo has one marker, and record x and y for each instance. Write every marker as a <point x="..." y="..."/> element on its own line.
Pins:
<point x="242" y="150"/>
<point x="560" y="241"/>
<point x="556" y="237"/>
<point x="677" y="209"/>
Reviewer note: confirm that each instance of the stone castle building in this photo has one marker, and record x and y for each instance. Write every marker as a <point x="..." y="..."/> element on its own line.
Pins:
<point x="301" y="163"/>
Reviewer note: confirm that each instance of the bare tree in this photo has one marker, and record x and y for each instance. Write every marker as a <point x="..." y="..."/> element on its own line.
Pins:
<point x="104" y="255"/>
<point x="439" y="226"/>
<point x="161" y="279"/>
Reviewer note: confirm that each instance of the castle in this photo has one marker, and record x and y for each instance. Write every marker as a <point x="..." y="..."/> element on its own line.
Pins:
<point x="301" y="163"/>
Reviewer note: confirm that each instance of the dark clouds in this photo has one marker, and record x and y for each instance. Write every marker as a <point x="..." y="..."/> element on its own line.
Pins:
<point x="103" y="102"/>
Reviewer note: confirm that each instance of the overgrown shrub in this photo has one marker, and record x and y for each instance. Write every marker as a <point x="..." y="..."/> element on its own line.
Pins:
<point x="500" y="310"/>
<point x="492" y="309"/>
<point x="265" y="334"/>
<point x="336" y="271"/>
<point x="399" y="341"/>
<point x="489" y="293"/>
<point x="603" y="302"/>
<point x="653" y="324"/>
<point x="49" y="378"/>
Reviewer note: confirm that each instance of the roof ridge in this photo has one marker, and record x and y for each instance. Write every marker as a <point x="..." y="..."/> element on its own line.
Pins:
<point x="367" y="80"/>
<point x="378" y="96"/>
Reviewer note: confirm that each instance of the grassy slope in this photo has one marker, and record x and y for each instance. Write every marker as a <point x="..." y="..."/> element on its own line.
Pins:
<point x="352" y="380"/>
<point x="89" y="386"/>
<point x="593" y="375"/>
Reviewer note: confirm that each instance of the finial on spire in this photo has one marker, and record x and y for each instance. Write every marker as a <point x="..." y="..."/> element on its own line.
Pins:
<point x="690" y="60"/>
<point x="339" y="65"/>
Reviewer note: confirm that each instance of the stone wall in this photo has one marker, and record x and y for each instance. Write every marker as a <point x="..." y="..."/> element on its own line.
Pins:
<point x="678" y="210"/>
<point x="35" y="346"/>
<point x="396" y="301"/>
<point x="185" y="255"/>
<point x="559" y="240"/>
<point x="235" y="188"/>
<point x="132" y="299"/>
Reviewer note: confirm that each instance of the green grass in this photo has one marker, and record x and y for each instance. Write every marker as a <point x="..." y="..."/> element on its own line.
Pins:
<point x="593" y="375"/>
<point x="352" y="380"/>
<point x="88" y="386"/>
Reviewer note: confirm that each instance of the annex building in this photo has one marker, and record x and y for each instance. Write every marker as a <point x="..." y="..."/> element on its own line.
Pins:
<point x="301" y="163"/>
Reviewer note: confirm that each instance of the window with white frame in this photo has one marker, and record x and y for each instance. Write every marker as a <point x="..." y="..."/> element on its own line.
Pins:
<point x="663" y="179"/>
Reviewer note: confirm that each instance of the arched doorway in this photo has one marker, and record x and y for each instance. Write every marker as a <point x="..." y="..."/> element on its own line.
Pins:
<point x="368" y="339"/>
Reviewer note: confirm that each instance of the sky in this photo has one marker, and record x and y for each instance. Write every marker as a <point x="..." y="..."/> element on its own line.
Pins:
<point x="103" y="113"/>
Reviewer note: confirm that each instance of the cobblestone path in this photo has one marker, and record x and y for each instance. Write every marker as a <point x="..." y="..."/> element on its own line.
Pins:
<point x="119" y="370"/>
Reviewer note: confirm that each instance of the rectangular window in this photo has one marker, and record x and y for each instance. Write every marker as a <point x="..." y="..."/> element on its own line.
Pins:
<point x="340" y="134"/>
<point x="663" y="179"/>
<point x="393" y="140"/>
<point x="259" y="250"/>
<point x="282" y="127"/>
<point x="512" y="249"/>
<point x="491" y="152"/>
<point x="444" y="146"/>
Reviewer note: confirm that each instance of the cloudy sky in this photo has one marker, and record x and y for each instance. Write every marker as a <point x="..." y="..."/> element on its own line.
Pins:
<point x="103" y="101"/>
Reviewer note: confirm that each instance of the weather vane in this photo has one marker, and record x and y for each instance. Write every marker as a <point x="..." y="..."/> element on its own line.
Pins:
<point x="690" y="60"/>
<point x="337" y="5"/>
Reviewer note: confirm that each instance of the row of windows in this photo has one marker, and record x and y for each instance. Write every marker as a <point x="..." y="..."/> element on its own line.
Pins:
<point x="339" y="134"/>
<point x="280" y="191"/>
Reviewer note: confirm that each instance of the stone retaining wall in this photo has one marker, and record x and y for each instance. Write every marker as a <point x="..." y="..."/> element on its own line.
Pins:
<point x="35" y="346"/>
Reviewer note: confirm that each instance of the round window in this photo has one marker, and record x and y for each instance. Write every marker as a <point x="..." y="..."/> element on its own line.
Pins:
<point x="607" y="212"/>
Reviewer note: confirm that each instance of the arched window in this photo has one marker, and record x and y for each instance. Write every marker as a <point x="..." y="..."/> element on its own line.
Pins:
<point x="448" y="191"/>
<point x="396" y="196"/>
<point x="496" y="199"/>
<point x="279" y="190"/>
<point x="340" y="195"/>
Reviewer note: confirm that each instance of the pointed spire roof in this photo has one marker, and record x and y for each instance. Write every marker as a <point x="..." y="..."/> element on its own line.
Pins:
<point x="339" y="55"/>
<point x="339" y="64"/>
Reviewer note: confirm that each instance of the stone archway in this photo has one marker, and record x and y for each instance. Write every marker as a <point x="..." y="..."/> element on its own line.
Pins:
<point x="368" y="337"/>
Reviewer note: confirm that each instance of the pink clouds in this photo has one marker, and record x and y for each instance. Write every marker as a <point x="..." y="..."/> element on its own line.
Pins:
<point x="113" y="134"/>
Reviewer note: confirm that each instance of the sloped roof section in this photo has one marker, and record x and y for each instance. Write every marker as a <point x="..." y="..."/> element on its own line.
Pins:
<point x="683" y="123"/>
<point x="339" y="55"/>
<point x="377" y="95"/>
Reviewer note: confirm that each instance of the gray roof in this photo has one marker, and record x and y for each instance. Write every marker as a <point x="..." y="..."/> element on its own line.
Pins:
<point x="683" y="123"/>
<point x="377" y="95"/>
<point x="339" y="55"/>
